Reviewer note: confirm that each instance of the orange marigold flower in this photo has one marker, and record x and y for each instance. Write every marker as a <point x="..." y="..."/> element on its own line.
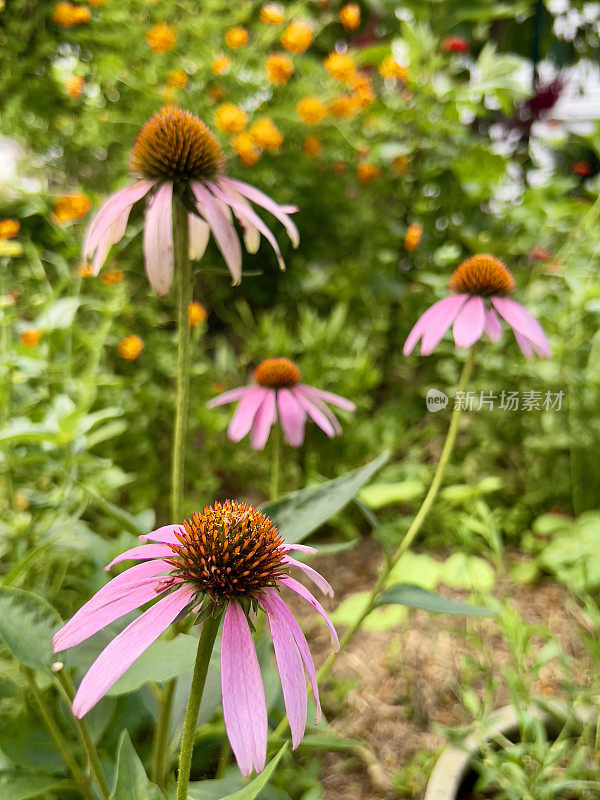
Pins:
<point x="66" y="15"/>
<point x="265" y="134"/>
<point x="177" y="79"/>
<point x="130" y="347"/>
<point x="312" y="146"/>
<point x="74" y="86"/>
<point x="161" y="38"/>
<point x="9" y="228"/>
<point x="96" y="3"/>
<point x="414" y="234"/>
<point x="112" y="277"/>
<point x="220" y="64"/>
<point x="363" y="90"/>
<point x="350" y="16"/>
<point x="236" y="37"/>
<point x="230" y="118"/>
<point x="340" y="66"/>
<point x="272" y="14"/>
<point x="84" y="271"/>
<point x="297" y="37"/>
<point x="367" y="172"/>
<point x="216" y="93"/>
<point x="70" y="207"/>
<point x="245" y="149"/>
<point x="196" y="314"/>
<point x="31" y="337"/>
<point x="279" y="68"/>
<point x="311" y="110"/>
<point x="390" y="68"/>
<point x="343" y="107"/>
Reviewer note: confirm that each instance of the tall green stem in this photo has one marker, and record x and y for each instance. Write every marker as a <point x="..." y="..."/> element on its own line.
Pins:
<point x="275" y="463"/>
<point x="210" y="628"/>
<point x="413" y="530"/>
<point x="183" y="282"/>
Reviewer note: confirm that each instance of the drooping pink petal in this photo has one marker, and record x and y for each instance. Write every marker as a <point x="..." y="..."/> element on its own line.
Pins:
<point x="301" y="643"/>
<point x="115" y="660"/>
<point x="261" y="199"/>
<point x="438" y="317"/>
<point x="292" y="417"/>
<point x="493" y="326"/>
<point x="251" y="233"/>
<point x="243" y="417"/>
<point x="248" y="217"/>
<point x="118" y="204"/>
<point x="315" y="576"/>
<point x="303" y="548"/>
<point x="118" y="597"/>
<point x="328" y="397"/>
<point x="164" y="534"/>
<point x="469" y="322"/>
<point x="322" y="407"/>
<point x="230" y="396"/>
<point x="222" y="228"/>
<point x="199" y="234"/>
<point x="265" y="418"/>
<point x="142" y="553"/>
<point x="314" y="412"/>
<point x="291" y="671"/>
<point x="297" y="587"/>
<point x="244" y="707"/>
<point x="158" y="240"/>
<point x="521" y="321"/>
<point x="524" y="344"/>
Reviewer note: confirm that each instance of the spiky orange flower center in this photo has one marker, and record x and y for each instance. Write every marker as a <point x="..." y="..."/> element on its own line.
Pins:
<point x="277" y="373"/>
<point x="230" y="550"/>
<point x="482" y="275"/>
<point x="175" y="145"/>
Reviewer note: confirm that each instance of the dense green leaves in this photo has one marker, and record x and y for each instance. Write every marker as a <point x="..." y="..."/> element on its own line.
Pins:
<point x="131" y="781"/>
<point x="405" y="594"/>
<point x="27" y="624"/>
<point x="15" y="785"/>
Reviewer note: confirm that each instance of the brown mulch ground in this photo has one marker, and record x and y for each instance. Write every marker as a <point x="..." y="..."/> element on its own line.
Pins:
<point x="392" y="689"/>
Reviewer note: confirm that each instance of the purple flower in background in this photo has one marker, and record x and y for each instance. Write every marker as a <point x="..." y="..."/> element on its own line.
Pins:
<point x="231" y="554"/>
<point x="277" y="392"/>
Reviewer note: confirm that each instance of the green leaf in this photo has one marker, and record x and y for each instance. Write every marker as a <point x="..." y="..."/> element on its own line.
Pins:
<point x="379" y="495"/>
<point x="131" y="781"/>
<point x="300" y="513"/>
<point x="461" y="571"/>
<point x="27" y="623"/>
<point x="252" y="790"/>
<point x="163" y="660"/>
<point x="17" y="785"/>
<point x="405" y="594"/>
<point x="380" y="619"/>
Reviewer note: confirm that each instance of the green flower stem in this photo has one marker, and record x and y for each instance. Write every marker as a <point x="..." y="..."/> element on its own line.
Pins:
<point x="275" y="463"/>
<point x="210" y="628"/>
<point x="83" y="732"/>
<point x="62" y="745"/>
<point x="412" y="532"/>
<point x="160" y="745"/>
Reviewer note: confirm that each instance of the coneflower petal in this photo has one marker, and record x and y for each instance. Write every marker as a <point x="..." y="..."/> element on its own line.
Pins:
<point x="328" y="397"/>
<point x="292" y="417"/>
<point x="297" y="587"/>
<point x="315" y="413"/>
<point x="312" y="398"/>
<point x="119" y="655"/>
<point x="304" y="548"/>
<point x="265" y="418"/>
<point x="222" y="228"/>
<point x="143" y="552"/>
<point x="164" y="534"/>
<point x="244" y="707"/>
<point x="261" y="199"/>
<point x="229" y="397"/>
<point x="524" y="344"/>
<point x="469" y="323"/>
<point x="244" y="415"/>
<point x="158" y="240"/>
<point x="493" y="326"/>
<point x="443" y="315"/>
<point x="119" y="203"/>
<point x="450" y="304"/>
<point x="199" y="234"/>
<point x="315" y="576"/>
<point x="521" y="321"/>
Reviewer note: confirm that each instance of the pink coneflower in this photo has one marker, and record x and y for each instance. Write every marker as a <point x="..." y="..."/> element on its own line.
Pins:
<point x="480" y="286"/>
<point x="277" y="391"/>
<point x="229" y="555"/>
<point x="175" y="152"/>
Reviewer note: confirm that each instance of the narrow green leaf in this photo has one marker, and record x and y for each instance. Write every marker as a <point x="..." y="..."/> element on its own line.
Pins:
<point x="17" y="785"/>
<point x="300" y="513"/>
<point x="131" y="781"/>
<point x="405" y="594"/>
<point x="27" y="624"/>
<point x="252" y="790"/>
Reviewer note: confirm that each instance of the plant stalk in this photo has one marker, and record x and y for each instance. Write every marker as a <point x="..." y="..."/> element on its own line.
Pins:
<point x="275" y="463"/>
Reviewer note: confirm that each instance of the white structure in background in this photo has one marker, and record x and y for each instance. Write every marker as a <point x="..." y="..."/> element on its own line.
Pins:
<point x="14" y="181"/>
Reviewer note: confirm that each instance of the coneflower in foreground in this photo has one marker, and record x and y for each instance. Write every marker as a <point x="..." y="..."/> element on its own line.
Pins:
<point x="176" y="153"/>
<point x="232" y="556"/>
<point x="278" y="391"/>
<point x="479" y="287"/>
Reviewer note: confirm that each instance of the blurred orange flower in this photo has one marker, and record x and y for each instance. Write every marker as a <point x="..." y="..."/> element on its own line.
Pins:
<point x="312" y="146"/>
<point x="311" y="110"/>
<point x="367" y="173"/>
<point x="230" y="118"/>
<point x="70" y="207"/>
<point x="297" y="37"/>
<point x="245" y="149"/>
<point x="130" y="347"/>
<point x="177" y="79"/>
<point x="220" y="64"/>
<point x="196" y="314"/>
<point x="236" y="37"/>
<point x="9" y="228"/>
<point x="390" y="68"/>
<point x="31" y="337"/>
<point x="161" y="38"/>
<point x="66" y="15"/>
<point x="350" y="16"/>
<point x="363" y="90"/>
<point x="112" y="277"/>
<point x="265" y="134"/>
<point x="279" y="68"/>
<point x="272" y="14"/>
<point x="84" y="271"/>
<point x="96" y="3"/>
<point x="343" y="107"/>
<point x="216" y="93"/>
<point x="339" y="168"/>
<point x="340" y="66"/>
<point x="414" y="234"/>
<point x="74" y="86"/>
<point x="400" y="164"/>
